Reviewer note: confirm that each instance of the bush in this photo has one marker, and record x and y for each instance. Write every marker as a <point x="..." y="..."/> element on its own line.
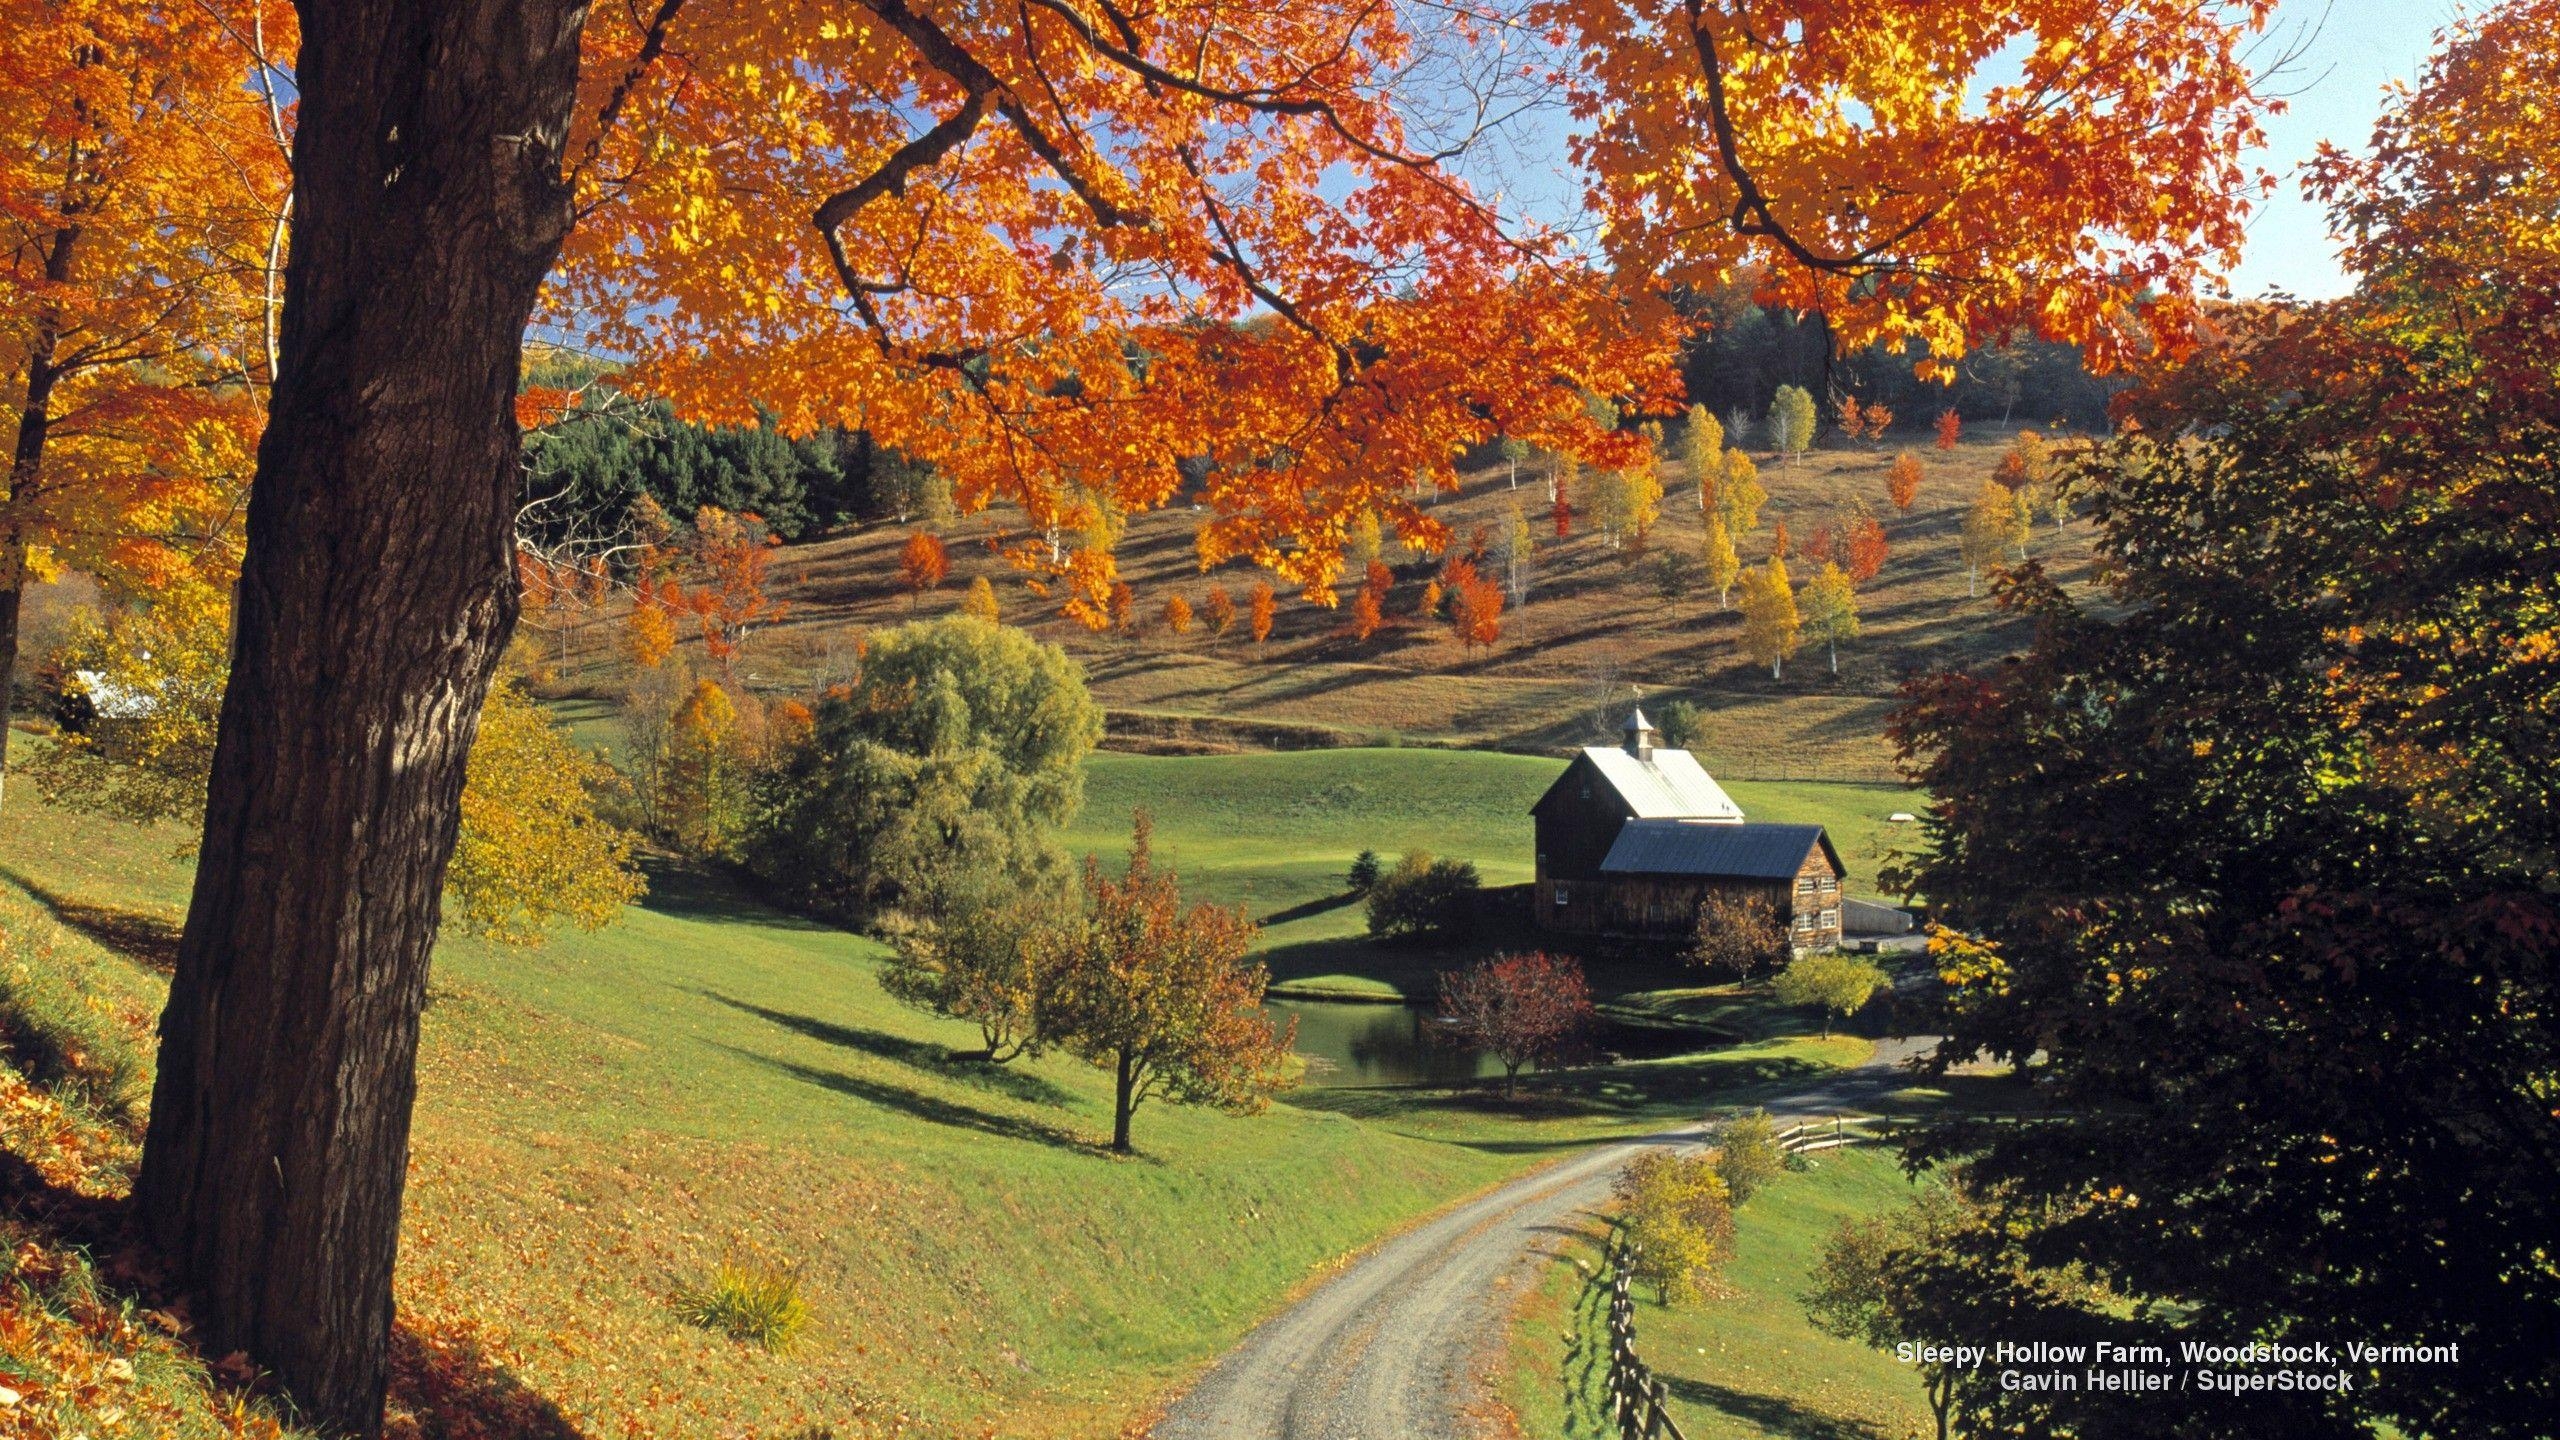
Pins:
<point x="1748" y="1154"/>
<point x="1840" y="984"/>
<point x="759" y="1304"/>
<point x="1678" y="1223"/>
<point x="1737" y="936"/>
<point x="1364" y="872"/>
<point x="1678" y="725"/>
<point x="1424" y="898"/>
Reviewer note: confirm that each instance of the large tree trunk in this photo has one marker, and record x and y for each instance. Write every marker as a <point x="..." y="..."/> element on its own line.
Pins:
<point x="375" y="599"/>
<point x="26" y="467"/>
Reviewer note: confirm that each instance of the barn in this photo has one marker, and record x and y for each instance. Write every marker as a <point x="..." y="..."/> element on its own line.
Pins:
<point x="1633" y="837"/>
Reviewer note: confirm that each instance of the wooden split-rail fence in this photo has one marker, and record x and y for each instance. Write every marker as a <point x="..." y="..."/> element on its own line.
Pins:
<point x="1638" y="1399"/>
<point x="1807" y="1136"/>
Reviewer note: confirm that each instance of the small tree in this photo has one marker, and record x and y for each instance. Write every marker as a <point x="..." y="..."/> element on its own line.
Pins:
<point x="1723" y="565"/>
<point x="1260" y="606"/>
<point x="1677" y="1220"/>
<point x="1739" y="499"/>
<point x="731" y="553"/>
<point x="1163" y="996"/>
<point x="703" y="777"/>
<point x="922" y="564"/>
<point x="1950" y="427"/>
<point x="1365" y="868"/>
<point x="1829" y="607"/>
<point x="1702" y="452"/>
<point x="1736" y="934"/>
<point x="1361" y="551"/>
<point x="1677" y="723"/>
<point x="1748" y="1155"/>
<point x="1792" y="418"/>
<point x="980" y="602"/>
<point x="1770" y="625"/>
<point x="982" y="962"/>
<point x="1514" y="450"/>
<point x="1902" y="480"/>
<point x="1220" y="607"/>
<point x="1123" y="608"/>
<point x="1521" y="1009"/>
<point x="1423" y="898"/>
<point x="1176" y="614"/>
<point x="1475" y="607"/>
<point x="1990" y="528"/>
<point x="1514" y="546"/>
<point x="1866" y="549"/>
<point x="1840" y="985"/>
<point x="1367" y="618"/>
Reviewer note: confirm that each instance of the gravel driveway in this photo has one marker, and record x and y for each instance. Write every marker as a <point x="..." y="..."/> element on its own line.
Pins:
<point x="1398" y="1346"/>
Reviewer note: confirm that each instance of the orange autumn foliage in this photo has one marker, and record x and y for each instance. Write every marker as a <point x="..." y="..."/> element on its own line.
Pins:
<point x="1902" y="477"/>
<point x="1950" y="427"/>
<point x="922" y="562"/>
<point x="1261" y="605"/>
<point x="1220" y="607"/>
<point x="1366" y="617"/>
<point x="1177" y="615"/>
<point x="1867" y="549"/>
<point x="1475" y="605"/>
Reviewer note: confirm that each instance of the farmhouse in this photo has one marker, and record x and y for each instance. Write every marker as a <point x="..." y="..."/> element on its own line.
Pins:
<point x="1632" y="838"/>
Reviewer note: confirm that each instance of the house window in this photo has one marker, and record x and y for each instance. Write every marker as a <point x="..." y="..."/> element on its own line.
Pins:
<point x="1804" y="885"/>
<point x="1829" y="884"/>
<point x="1564" y="895"/>
<point x="1830" y="919"/>
<point x="1804" y="922"/>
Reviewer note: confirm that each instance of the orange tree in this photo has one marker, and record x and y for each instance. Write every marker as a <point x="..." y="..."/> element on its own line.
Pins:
<point x="1163" y="996"/>
<point x="1060" y="251"/>
<point x="2256" y="848"/>
<point x="142" y="186"/>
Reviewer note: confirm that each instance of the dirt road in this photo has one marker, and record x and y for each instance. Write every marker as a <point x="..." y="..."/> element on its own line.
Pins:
<point x="1394" y="1348"/>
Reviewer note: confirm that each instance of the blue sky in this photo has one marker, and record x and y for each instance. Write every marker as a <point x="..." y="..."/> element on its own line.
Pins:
<point x="2359" y="46"/>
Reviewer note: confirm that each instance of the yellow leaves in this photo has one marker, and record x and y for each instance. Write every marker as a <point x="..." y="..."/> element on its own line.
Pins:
<point x="533" y="849"/>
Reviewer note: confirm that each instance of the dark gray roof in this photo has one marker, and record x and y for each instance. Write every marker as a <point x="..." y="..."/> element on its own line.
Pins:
<point x="1689" y="847"/>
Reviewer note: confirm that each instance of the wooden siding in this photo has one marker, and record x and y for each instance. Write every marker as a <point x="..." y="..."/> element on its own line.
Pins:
<point x="1666" y="906"/>
<point x="1577" y="820"/>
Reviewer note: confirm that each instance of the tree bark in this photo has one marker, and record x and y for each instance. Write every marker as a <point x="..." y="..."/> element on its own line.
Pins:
<point x="26" y="466"/>
<point x="1124" y="1104"/>
<point x="375" y="600"/>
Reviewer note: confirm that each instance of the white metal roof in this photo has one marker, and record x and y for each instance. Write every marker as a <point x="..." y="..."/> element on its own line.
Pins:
<point x="1665" y="785"/>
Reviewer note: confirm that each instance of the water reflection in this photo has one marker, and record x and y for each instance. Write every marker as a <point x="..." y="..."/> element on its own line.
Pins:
<point x="1346" y="1043"/>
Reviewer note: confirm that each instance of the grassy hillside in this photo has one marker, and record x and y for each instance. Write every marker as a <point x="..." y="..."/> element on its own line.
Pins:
<point x="1594" y="629"/>
<point x="608" y="1119"/>
<point x="1744" y="1364"/>
<point x="1276" y="832"/>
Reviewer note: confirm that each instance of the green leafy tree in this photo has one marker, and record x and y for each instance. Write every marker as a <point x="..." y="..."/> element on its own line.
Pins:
<point x="1163" y="996"/>
<point x="947" y="769"/>
<point x="1365" y="868"/>
<point x="1424" y="898"/>
<point x="1515" y="450"/>
<point x="1679" y="725"/>
<point x="1792" y="419"/>
<point x="983" y="962"/>
<point x="1829" y="607"/>
<point x="1839" y="985"/>
<point x="1748" y="1155"/>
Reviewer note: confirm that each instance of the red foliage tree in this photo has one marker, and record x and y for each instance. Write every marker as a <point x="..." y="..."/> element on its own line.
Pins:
<point x="1475" y="606"/>
<point x="1522" y="1009"/>
<point x="1950" y="426"/>
<point x="1366" y="616"/>
<point x="731" y="552"/>
<point x="1260" y="607"/>
<point x="1867" y="550"/>
<point x="922" y="564"/>
<point x="1778" y="542"/>
<point x="1562" y="511"/>
<point x="1902" y="478"/>
<point x="1817" y="548"/>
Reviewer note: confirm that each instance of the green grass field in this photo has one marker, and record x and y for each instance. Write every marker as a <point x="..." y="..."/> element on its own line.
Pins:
<point x="1276" y="832"/>
<point x="1743" y="1365"/>
<point x="608" y="1118"/>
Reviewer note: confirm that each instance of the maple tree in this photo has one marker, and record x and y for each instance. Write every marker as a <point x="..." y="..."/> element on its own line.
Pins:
<point x="1866" y="550"/>
<point x="1163" y="995"/>
<point x="922" y="564"/>
<point x="731" y="553"/>
<point x="1039" y="238"/>
<point x="1475" y="605"/>
<point x="1261" y="604"/>
<point x="142" y="194"/>
<point x="1176" y="614"/>
<point x="1737" y="935"/>
<point x="1902" y="479"/>
<point x="1520" y="1009"/>
<point x="1950" y="429"/>
<point x="1220" y="608"/>
<point x="980" y="602"/>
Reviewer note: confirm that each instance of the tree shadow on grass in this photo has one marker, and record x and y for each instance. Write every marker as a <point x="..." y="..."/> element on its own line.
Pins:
<point x="444" y="1384"/>
<point x="915" y="1054"/>
<point x="1305" y="908"/>
<point x="1775" y="1415"/>
<point x="687" y="891"/>
<point x="149" y="939"/>
<point x="1666" y="1092"/>
<point x="925" y="1107"/>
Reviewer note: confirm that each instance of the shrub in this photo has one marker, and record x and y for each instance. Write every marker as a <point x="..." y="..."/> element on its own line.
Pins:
<point x="1748" y="1154"/>
<point x="1678" y="1223"/>
<point x="758" y="1304"/>
<point x="1364" y="872"/>
<point x="1679" y="725"/>
<point x="1840" y="984"/>
<point x="1423" y="898"/>
<point x="1736" y="935"/>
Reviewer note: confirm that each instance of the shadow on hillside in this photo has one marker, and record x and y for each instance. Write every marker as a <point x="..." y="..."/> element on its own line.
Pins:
<point x="925" y="1107"/>
<point x="445" y="1384"/>
<point x="689" y="892"/>
<point x="899" y="1049"/>
<point x="1772" y="1414"/>
<point x="136" y="934"/>
<point x="1305" y="908"/>
<point x="1654" y="1092"/>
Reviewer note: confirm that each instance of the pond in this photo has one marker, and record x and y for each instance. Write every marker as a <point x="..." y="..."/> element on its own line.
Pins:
<point x="1348" y="1043"/>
